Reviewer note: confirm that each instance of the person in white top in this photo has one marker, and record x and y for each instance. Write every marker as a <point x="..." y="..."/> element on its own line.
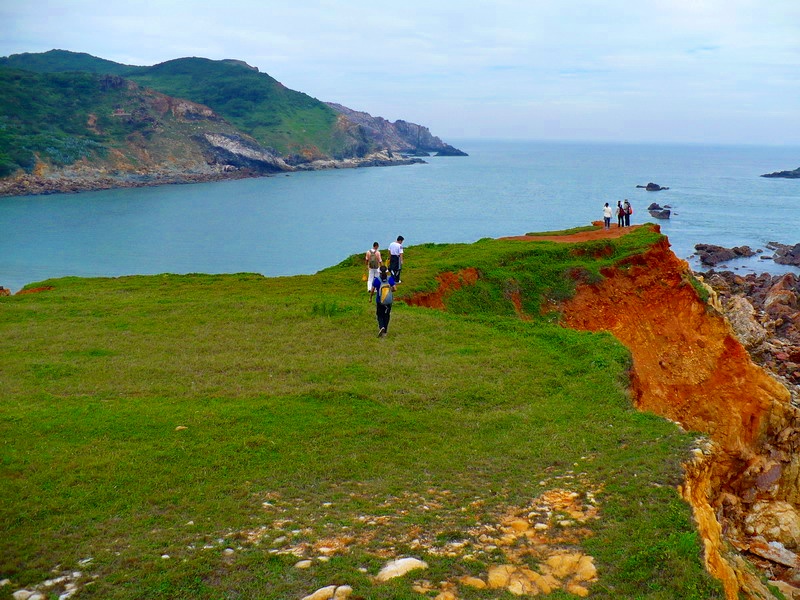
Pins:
<point x="396" y="258"/>
<point x="373" y="261"/>
<point x="607" y="216"/>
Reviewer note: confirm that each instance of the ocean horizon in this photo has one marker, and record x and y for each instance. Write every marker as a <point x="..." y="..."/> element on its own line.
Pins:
<point x="300" y="223"/>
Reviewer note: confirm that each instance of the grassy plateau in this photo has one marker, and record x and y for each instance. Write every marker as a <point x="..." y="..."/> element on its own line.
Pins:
<point x="195" y="436"/>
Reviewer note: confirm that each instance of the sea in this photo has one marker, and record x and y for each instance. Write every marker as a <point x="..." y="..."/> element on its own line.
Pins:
<point x="300" y="223"/>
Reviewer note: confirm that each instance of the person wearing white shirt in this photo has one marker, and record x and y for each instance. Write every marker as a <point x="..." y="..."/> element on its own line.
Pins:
<point x="396" y="258"/>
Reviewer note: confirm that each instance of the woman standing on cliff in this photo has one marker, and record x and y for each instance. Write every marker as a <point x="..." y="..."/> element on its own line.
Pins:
<point x="606" y="216"/>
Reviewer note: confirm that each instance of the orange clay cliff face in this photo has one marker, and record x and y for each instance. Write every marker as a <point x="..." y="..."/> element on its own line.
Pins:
<point x="689" y="367"/>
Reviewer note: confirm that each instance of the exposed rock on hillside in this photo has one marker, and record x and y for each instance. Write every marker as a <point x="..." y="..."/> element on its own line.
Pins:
<point x="400" y="136"/>
<point x="237" y="152"/>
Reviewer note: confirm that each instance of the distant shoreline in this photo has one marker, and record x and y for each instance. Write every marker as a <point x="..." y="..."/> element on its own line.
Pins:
<point x="68" y="183"/>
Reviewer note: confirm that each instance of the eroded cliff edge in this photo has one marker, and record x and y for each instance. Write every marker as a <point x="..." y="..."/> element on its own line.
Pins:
<point x="689" y="366"/>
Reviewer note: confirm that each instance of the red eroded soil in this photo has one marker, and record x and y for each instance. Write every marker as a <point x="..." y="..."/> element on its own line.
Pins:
<point x="448" y="282"/>
<point x="45" y="288"/>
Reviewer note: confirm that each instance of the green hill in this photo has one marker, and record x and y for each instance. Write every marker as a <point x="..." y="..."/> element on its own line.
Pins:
<point x="197" y="436"/>
<point x="292" y="123"/>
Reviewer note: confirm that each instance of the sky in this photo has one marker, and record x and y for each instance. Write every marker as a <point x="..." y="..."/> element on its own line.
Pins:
<point x="672" y="71"/>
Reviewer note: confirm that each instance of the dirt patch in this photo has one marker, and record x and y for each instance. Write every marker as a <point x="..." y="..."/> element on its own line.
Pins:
<point x="448" y="283"/>
<point x="583" y="236"/>
<point x="36" y="290"/>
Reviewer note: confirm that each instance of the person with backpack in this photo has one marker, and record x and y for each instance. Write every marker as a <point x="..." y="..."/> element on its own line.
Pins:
<point x="384" y="287"/>
<point x="373" y="261"/>
<point x="620" y="214"/>
<point x="628" y="212"/>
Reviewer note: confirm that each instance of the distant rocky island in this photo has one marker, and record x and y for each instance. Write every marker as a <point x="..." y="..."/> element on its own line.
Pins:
<point x="75" y="122"/>
<point x="785" y="174"/>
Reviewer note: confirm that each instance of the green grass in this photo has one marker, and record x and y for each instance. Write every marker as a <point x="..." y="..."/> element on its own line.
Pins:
<point x="183" y="415"/>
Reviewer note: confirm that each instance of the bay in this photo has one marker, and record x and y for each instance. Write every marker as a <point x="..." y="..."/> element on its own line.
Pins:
<point x="303" y="222"/>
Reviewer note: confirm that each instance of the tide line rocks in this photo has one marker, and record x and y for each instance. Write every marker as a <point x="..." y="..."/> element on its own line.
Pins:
<point x="712" y="255"/>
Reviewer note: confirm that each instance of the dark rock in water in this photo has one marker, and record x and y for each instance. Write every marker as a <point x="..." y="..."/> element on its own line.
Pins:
<point x="785" y="254"/>
<point x="785" y="174"/>
<point x="713" y="255"/>
<point x="652" y="187"/>
<point x="658" y="212"/>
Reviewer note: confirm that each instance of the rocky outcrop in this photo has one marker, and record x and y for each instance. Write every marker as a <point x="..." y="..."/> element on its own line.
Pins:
<point x="785" y="254"/>
<point x="652" y="187"/>
<point x="764" y="311"/>
<point x="711" y="255"/>
<point x="237" y="152"/>
<point x="785" y="174"/>
<point x="659" y="212"/>
<point x="400" y="136"/>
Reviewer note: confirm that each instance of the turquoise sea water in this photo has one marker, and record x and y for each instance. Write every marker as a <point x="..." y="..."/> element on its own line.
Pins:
<point x="303" y="222"/>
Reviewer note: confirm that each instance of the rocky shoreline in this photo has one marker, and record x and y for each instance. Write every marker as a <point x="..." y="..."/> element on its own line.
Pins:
<point x="764" y="311"/>
<point x="74" y="181"/>
<point x="783" y="254"/>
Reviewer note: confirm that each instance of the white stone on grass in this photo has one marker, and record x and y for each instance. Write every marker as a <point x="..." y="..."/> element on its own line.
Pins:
<point x="399" y="567"/>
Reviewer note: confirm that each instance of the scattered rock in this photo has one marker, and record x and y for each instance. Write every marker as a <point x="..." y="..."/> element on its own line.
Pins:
<point x="399" y="567"/>
<point x="303" y="564"/>
<point x="331" y="592"/>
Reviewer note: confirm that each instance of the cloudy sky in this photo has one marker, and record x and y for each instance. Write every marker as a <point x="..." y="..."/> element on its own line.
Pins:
<point x="706" y="71"/>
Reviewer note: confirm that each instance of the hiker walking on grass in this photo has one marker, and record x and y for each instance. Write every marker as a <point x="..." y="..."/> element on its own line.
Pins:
<point x="606" y="216"/>
<point x="396" y="258"/>
<point x="384" y="286"/>
<point x="373" y="261"/>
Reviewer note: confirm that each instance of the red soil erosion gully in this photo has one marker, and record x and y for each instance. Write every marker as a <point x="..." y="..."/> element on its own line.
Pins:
<point x="689" y="367"/>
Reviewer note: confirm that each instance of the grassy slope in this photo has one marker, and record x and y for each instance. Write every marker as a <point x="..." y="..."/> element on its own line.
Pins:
<point x="290" y="399"/>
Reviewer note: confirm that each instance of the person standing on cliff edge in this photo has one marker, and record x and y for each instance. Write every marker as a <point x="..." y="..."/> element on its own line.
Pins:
<point x="396" y="258"/>
<point x="628" y="212"/>
<point x="620" y="214"/>
<point x="606" y="216"/>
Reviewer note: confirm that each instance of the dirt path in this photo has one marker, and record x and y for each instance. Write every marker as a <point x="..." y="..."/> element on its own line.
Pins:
<point x="596" y="234"/>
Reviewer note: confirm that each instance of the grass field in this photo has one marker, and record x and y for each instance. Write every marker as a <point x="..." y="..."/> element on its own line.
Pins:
<point x="196" y="436"/>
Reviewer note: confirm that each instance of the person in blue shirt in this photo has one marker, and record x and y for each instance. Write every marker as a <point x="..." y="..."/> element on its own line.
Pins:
<point x="383" y="286"/>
